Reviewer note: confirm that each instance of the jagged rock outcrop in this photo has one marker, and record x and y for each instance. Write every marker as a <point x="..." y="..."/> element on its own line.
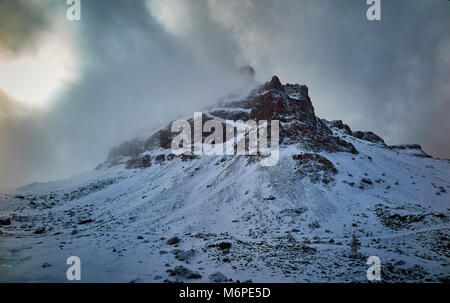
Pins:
<point x="413" y="149"/>
<point x="367" y="136"/>
<point x="289" y="103"/>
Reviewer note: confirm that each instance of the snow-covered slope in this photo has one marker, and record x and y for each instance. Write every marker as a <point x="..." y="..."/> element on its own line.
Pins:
<point x="293" y="222"/>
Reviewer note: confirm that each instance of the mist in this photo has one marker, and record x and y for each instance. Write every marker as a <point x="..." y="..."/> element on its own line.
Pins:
<point x="142" y="63"/>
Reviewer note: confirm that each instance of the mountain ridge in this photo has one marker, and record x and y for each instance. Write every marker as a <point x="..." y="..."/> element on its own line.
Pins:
<point x="269" y="101"/>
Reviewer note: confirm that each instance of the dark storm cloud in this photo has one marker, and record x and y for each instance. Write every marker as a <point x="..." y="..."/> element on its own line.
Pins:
<point x="134" y="77"/>
<point x="147" y="61"/>
<point x="21" y="23"/>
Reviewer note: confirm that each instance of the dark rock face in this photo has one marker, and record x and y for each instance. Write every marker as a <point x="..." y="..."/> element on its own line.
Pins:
<point x="339" y="125"/>
<point x="291" y="105"/>
<point x="367" y="136"/>
<point x="332" y="144"/>
<point x="273" y="84"/>
<point x="416" y="149"/>
<point x="407" y="146"/>
<point x="296" y="91"/>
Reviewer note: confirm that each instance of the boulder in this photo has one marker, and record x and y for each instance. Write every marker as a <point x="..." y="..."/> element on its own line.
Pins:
<point x="5" y="221"/>
<point x="218" y="277"/>
<point x="39" y="230"/>
<point x="185" y="273"/>
<point x="224" y="245"/>
<point x="314" y="224"/>
<point x="173" y="240"/>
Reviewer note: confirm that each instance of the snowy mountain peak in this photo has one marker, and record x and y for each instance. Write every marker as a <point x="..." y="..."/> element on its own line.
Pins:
<point x="155" y="216"/>
<point x="289" y="103"/>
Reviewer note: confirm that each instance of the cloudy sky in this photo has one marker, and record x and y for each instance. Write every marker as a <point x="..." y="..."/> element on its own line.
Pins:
<point x="69" y="91"/>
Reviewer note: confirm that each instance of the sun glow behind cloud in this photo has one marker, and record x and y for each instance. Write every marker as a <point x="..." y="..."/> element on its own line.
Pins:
<point x="35" y="76"/>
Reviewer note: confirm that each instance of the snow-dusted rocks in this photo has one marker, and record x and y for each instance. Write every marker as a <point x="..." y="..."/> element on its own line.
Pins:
<point x="316" y="167"/>
<point x="173" y="240"/>
<point x="218" y="277"/>
<point x="184" y="272"/>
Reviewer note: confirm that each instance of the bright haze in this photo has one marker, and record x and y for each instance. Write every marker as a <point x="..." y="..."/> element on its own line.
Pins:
<point x="71" y="90"/>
